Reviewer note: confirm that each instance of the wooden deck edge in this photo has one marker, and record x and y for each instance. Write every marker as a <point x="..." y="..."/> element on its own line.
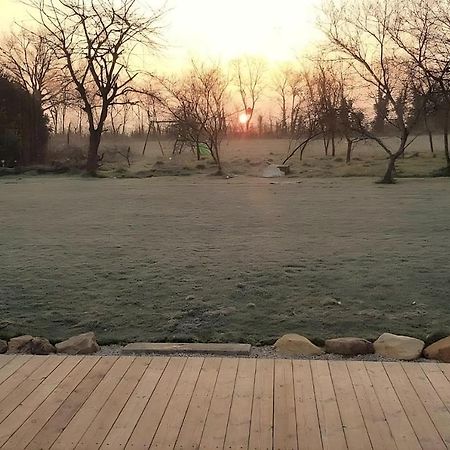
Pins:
<point x="168" y="348"/>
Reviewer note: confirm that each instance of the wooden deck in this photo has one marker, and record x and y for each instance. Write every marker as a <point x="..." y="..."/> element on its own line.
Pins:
<point x="213" y="403"/>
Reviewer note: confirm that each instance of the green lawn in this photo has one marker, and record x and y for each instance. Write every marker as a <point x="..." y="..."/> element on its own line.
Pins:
<point x="204" y="259"/>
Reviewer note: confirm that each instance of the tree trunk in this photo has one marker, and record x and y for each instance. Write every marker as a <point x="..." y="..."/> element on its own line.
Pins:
<point x="333" y="145"/>
<point x="390" y="171"/>
<point x="430" y="138"/>
<point x="348" y="155"/>
<point x="446" y="148"/>
<point x="92" y="160"/>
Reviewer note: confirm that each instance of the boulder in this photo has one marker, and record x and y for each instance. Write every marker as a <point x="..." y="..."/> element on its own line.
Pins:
<point x="41" y="346"/>
<point x="272" y="171"/>
<point x="20" y="344"/>
<point x="398" y="347"/>
<point x="440" y="350"/>
<point x="83" y="344"/>
<point x="3" y="346"/>
<point x="349" y="346"/>
<point x="294" y="344"/>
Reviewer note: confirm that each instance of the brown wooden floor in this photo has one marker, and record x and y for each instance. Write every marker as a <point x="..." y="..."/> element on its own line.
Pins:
<point x="188" y="403"/>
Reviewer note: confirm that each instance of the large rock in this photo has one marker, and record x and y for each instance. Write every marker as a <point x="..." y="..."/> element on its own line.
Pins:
<point x="20" y="344"/>
<point x="3" y="346"/>
<point x="294" y="344"/>
<point x="440" y="350"/>
<point x="30" y="344"/>
<point x="398" y="347"/>
<point x="272" y="171"/>
<point x="349" y="346"/>
<point x="83" y="344"/>
<point x="41" y="346"/>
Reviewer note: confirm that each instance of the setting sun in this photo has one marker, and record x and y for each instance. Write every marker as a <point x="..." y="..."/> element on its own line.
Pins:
<point x="244" y="118"/>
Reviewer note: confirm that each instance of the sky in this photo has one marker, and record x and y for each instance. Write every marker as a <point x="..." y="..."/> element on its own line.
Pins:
<point x="221" y="30"/>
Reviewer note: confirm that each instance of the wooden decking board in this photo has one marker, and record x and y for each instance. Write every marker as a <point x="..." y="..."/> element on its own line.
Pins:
<point x="100" y="426"/>
<point x="21" y="374"/>
<point x="147" y="424"/>
<point x="377" y="427"/>
<point x="71" y="435"/>
<point x="213" y="403"/>
<point x="215" y="428"/>
<point x="238" y="430"/>
<point x="439" y="381"/>
<point x="308" y="428"/>
<point x="64" y="414"/>
<point x="420" y="420"/>
<point x="32" y="402"/>
<point x="16" y="397"/>
<point x="261" y="424"/>
<point x="124" y="425"/>
<point x="191" y="430"/>
<point x="352" y="420"/>
<point x="12" y="365"/>
<point x="433" y="404"/>
<point x="285" y="423"/>
<point x="331" y="426"/>
<point x="169" y="427"/>
<point x="401" y="429"/>
<point x="30" y="427"/>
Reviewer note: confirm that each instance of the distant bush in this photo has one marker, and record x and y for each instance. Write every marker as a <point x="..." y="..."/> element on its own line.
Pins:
<point x="23" y="126"/>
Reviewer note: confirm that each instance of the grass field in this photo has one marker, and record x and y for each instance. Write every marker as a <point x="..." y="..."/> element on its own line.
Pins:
<point x="201" y="258"/>
<point x="250" y="157"/>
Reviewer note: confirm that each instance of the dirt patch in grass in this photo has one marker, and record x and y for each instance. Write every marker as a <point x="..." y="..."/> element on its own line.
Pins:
<point x="207" y="259"/>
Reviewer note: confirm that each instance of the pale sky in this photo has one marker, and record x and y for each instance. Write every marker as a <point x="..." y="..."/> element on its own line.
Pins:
<point x="277" y="30"/>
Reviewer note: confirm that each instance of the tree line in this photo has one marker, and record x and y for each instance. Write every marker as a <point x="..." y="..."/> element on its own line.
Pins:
<point x="381" y="70"/>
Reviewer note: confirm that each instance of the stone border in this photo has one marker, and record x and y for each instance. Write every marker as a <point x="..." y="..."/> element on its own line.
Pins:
<point x="142" y="348"/>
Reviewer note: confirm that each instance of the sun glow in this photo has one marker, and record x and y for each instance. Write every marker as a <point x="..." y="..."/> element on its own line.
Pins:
<point x="244" y="118"/>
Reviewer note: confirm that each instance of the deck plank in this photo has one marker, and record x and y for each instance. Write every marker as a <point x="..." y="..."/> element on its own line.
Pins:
<point x="119" y="435"/>
<point x="64" y="414"/>
<point x="285" y="423"/>
<point x="379" y="432"/>
<point x="420" y="420"/>
<point x="34" y="400"/>
<point x="148" y="423"/>
<point x="439" y="381"/>
<point x="24" y="389"/>
<point x="352" y="420"/>
<point x="100" y="426"/>
<point x="331" y="429"/>
<point x="71" y="435"/>
<point x="238" y="430"/>
<point x="217" y="420"/>
<point x="169" y="428"/>
<point x="401" y="429"/>
<point x="21" y="374"/>
<point x="433" y="404"/>
<point x="25" y="433"/>
<point x="91" y="402"/>
<point x="12" y="364"/>
<point x="261" y="426"/>
<point x="308" y="430"/>
<point x="192" y="428"/>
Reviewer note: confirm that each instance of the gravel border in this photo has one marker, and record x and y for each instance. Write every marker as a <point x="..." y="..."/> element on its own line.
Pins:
<point x="261" y="352"/>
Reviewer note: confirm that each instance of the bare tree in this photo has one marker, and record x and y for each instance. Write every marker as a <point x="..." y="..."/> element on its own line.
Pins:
<point x="96" y="39"/>
<point x="361" y="32"/>
<point x="423" y="33"/>
<point x="28" y="59"/>
<point x="196" y="103"/>
<point x="248" y="74"/>
<point x="287" y="85"/>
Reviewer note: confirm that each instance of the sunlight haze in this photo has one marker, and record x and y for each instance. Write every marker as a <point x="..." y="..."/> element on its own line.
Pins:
<point x="276" y="31"/>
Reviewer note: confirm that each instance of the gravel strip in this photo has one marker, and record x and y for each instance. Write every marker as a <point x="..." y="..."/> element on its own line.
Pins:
<point x="260" y="352"/>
